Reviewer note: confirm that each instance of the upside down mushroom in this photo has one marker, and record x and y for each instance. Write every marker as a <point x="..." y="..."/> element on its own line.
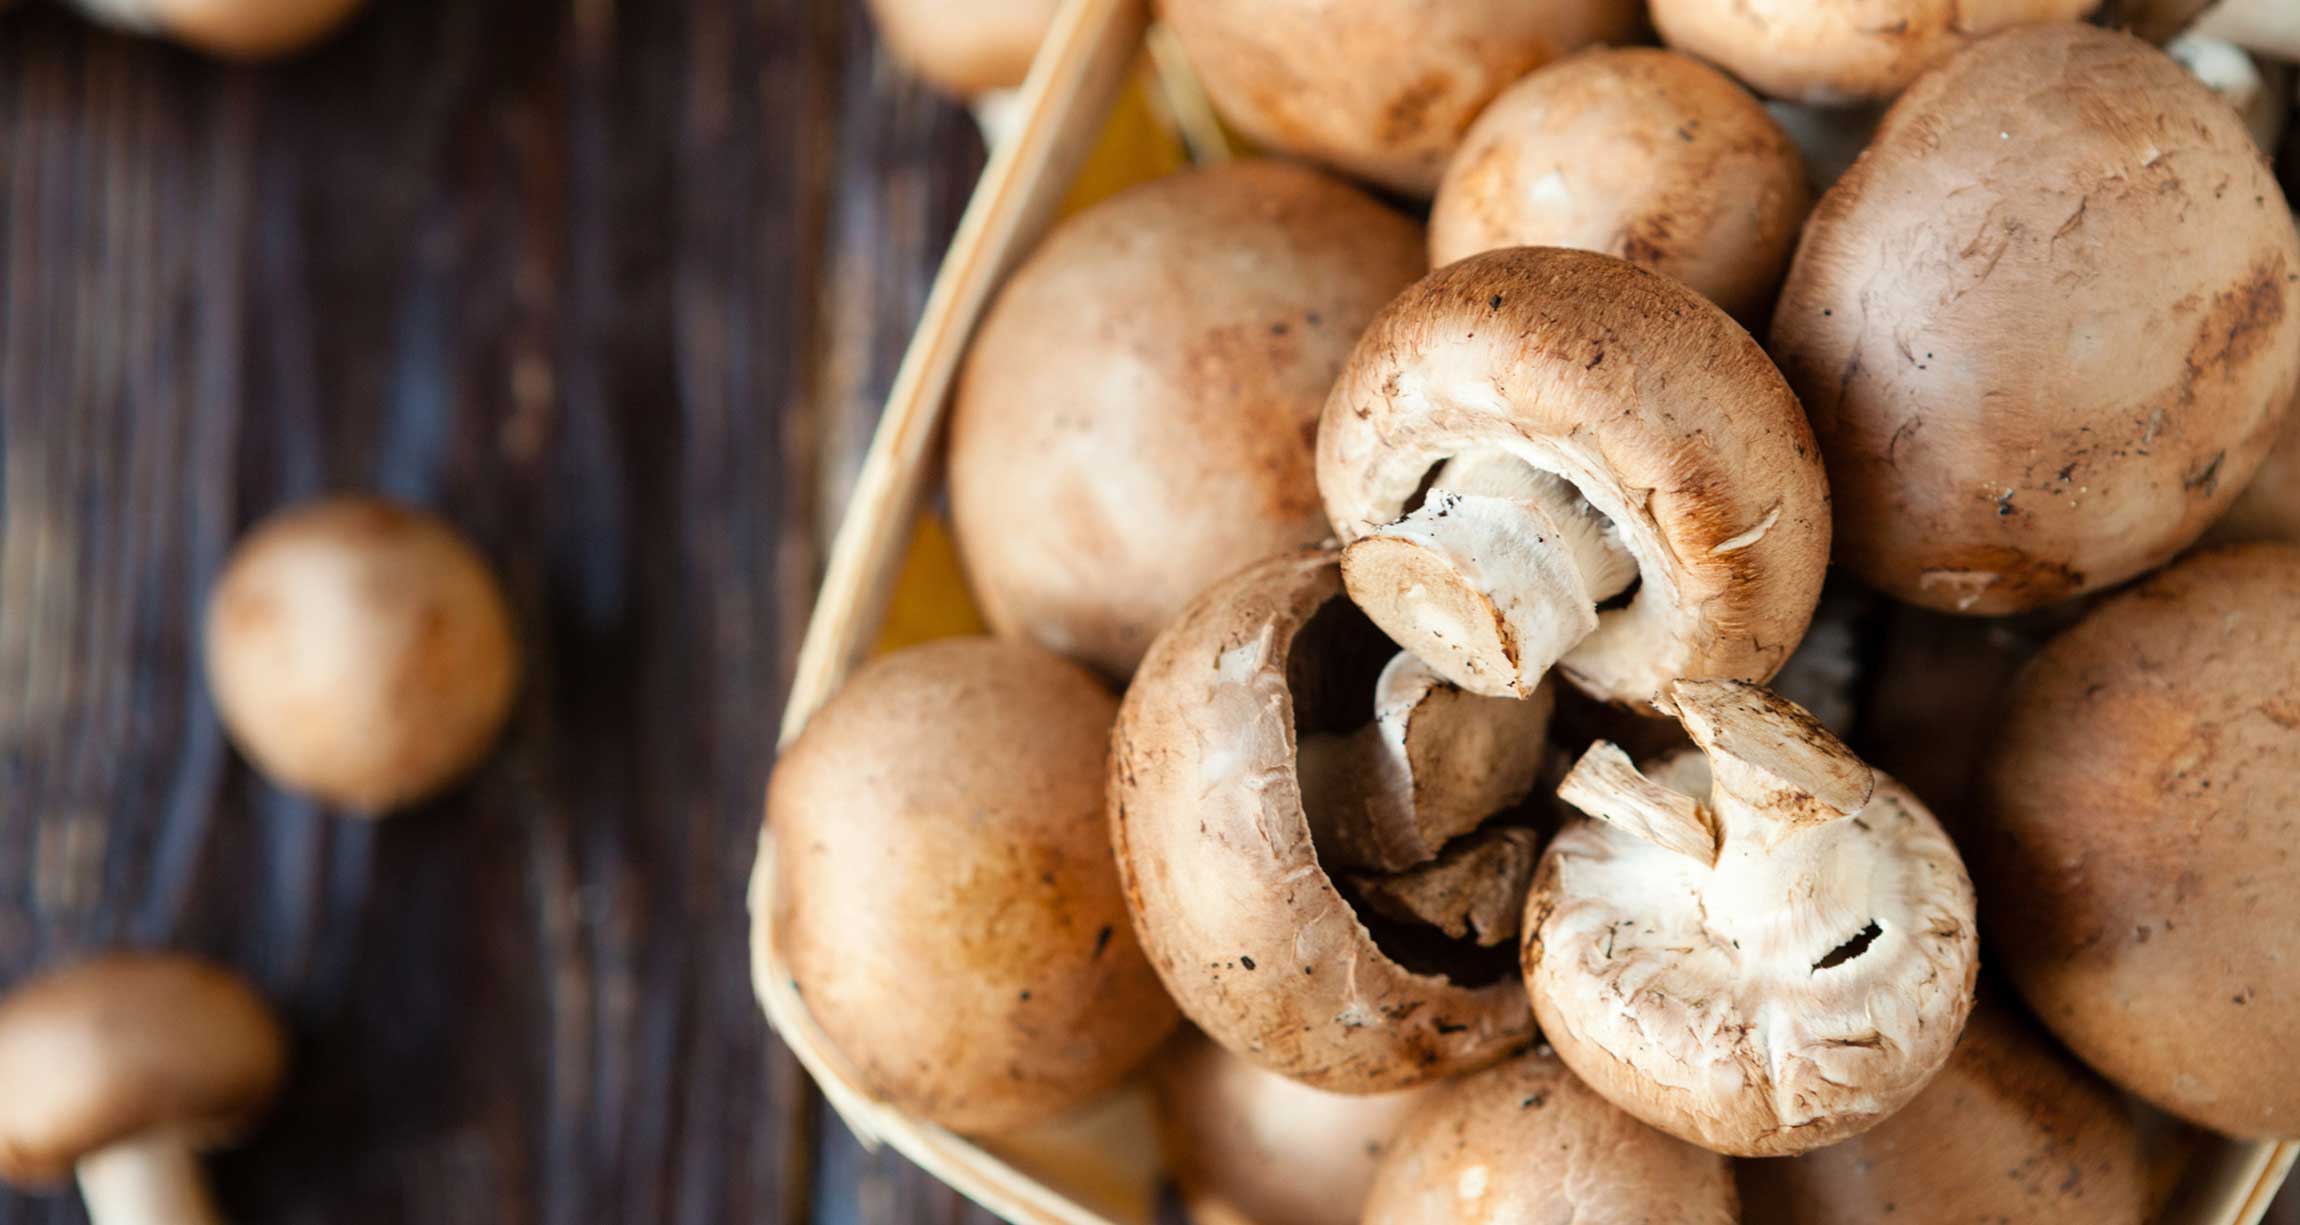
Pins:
<point x="1761" y="961"/>
<point x="1842" y="52"/>
<point x="2047" y="326"/>
<point x="1542" y="457"/>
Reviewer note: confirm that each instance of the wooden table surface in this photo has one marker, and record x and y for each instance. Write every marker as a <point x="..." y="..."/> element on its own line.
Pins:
<point x="617" y="286"/>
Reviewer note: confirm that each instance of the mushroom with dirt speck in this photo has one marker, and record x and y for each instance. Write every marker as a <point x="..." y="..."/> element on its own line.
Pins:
<point x="1841" y="52"/>
<point x="360" y="652"/>
<point x="121" y="1070"/>
<point x="1762" y="952"/>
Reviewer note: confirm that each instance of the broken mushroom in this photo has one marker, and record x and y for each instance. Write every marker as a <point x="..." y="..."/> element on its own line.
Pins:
<point x="361" y="652"/>
<point x="1544" y="457"/>
<point x="2011" y="1130"/>
<point x="1250" y="1147"/>
<point x="1222" y="868"/>
<point x="1841" y="52"/>
<point x="232" y="29"/>
<point x="944" y="893"/>
<point x="1639" y="153"/>
<point x="965" y="49"/>
<point x="2046" y="327"/>
<point x="122" y="1070"/>
<point x="1135" y="419"/>
<point x="1764" y="965"/>
<point x="1381" y="89"/>
<point x="2144" y="800"/>
<point x="1528" y="1141"/>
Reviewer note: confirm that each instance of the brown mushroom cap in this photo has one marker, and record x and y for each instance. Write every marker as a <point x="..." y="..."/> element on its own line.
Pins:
<point x="1379" y="88"/>
<point x="2137" y="861"/>
<point x="233" y="29"/>
<point x="1529" y="1142"/>
<point x="108" y="1049"/>
<point x="965" y="47"/>
<point x="2011" y="1130"/>
<point x="944" y="892"/>
<point x="360" y="651"/>
<point x="1639" y="153"/>
<point x="1650" y="401"/>
<point x="1250" y="1147"/>
<point x="1136" y="418"/>
<point x="1237" y="913"/>
<point x="2046" y="327"/>
<point x="1839" y="52"/>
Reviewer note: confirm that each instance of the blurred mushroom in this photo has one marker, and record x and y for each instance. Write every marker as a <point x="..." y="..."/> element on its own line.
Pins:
<point x="1382" y="89"/>
<point x="1842" y="52"/>
<point x="122" y="1070"/>
<point x="2011" y="1130"/>
<point x="2047" y="327"/>
<point x="361" y="652"/>
<point x="1250" y="1147"/>
<point x="2137" y="861"/>
<point x="1224" y="874"/>
<point x="965" y="48"/>
<point x="1135" y="420"/>
<point x="1541" y="456"/>
<point x="1639" y="153"/>
<point x="232" y="29"/>
<point x="1763" y="965"/>
<point x="944" y="895"/>
<point x="1529" y="1142"/>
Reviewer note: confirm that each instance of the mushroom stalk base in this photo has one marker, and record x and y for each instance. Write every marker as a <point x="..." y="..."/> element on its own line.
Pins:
<point x="146" y="1180"/>
<point x="1494" y="577"/>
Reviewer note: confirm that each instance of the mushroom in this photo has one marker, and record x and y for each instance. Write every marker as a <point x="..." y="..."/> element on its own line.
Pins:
<point x="1249" y="1147"/>
<point x="2270" y="27"/>
<point x="1762" y="966"/>
<point x="1544" y="457"/>
<point x="2011" y="1130"/>
<point x="1382" y="89"/>
<point x="2143" y="802"/>
<point x="361" y="652"/>
<point x="1223" y="874"/>
<point x="2269" y="507"/>
<point x="944" y="897"/>
<point x="965" y="49"/>
<point x="122" y="1070"/>
<point x="1842" y="52"/>
<point x="1527" y="1141"/>
<point x="1475" y="890"/>
<point x="1639" y="153"/>
<point x="1135" y="420"/>
<point x="1432" y="766"/>
<point x="2047" y="327"/>
<point x="232" y="29"/>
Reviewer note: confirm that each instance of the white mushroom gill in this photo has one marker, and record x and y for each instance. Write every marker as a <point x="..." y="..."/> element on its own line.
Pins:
<point x="1764" y="970"/>
<point x="1494" y="577"/>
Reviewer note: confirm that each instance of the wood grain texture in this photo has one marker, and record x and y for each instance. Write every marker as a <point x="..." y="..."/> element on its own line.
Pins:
<point x="616" y="288"/>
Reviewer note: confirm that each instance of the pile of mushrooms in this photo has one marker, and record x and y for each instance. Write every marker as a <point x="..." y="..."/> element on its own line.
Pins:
<point x="1446" y="799"/>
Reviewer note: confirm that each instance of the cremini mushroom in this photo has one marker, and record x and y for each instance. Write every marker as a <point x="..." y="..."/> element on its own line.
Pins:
<point x="121" y="1070"/>
<point x="944" y="895"/>
<point x="1762" y="965"/>
<point x="2011" y="1130"/>
<point x="2046" y="327"/>
<point x="1842" y="52"/>
<point x="1250" y="1147"/>
<point x="967" y="48"/>
<point x="1382" y="89"/>
<point x="232" y="29"/>
<point x="1529" y="1142"/>
<point x="361" y="652"/>
<point x="1135" y="420"/>
<point x="2136" y="856"/>
<point x="1544" y="457"/>
<point x="1238" y="912"/>
<point x="1636" y="152"/>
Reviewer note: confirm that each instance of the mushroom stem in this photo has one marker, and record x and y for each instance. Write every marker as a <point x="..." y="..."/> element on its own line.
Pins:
<point x="1773" y="765"/>
<point x="1433" y="765"/>
<point x="1494" y="577"/>
<point x="150" y="1179"/>
<point x="1607" y="785"/>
